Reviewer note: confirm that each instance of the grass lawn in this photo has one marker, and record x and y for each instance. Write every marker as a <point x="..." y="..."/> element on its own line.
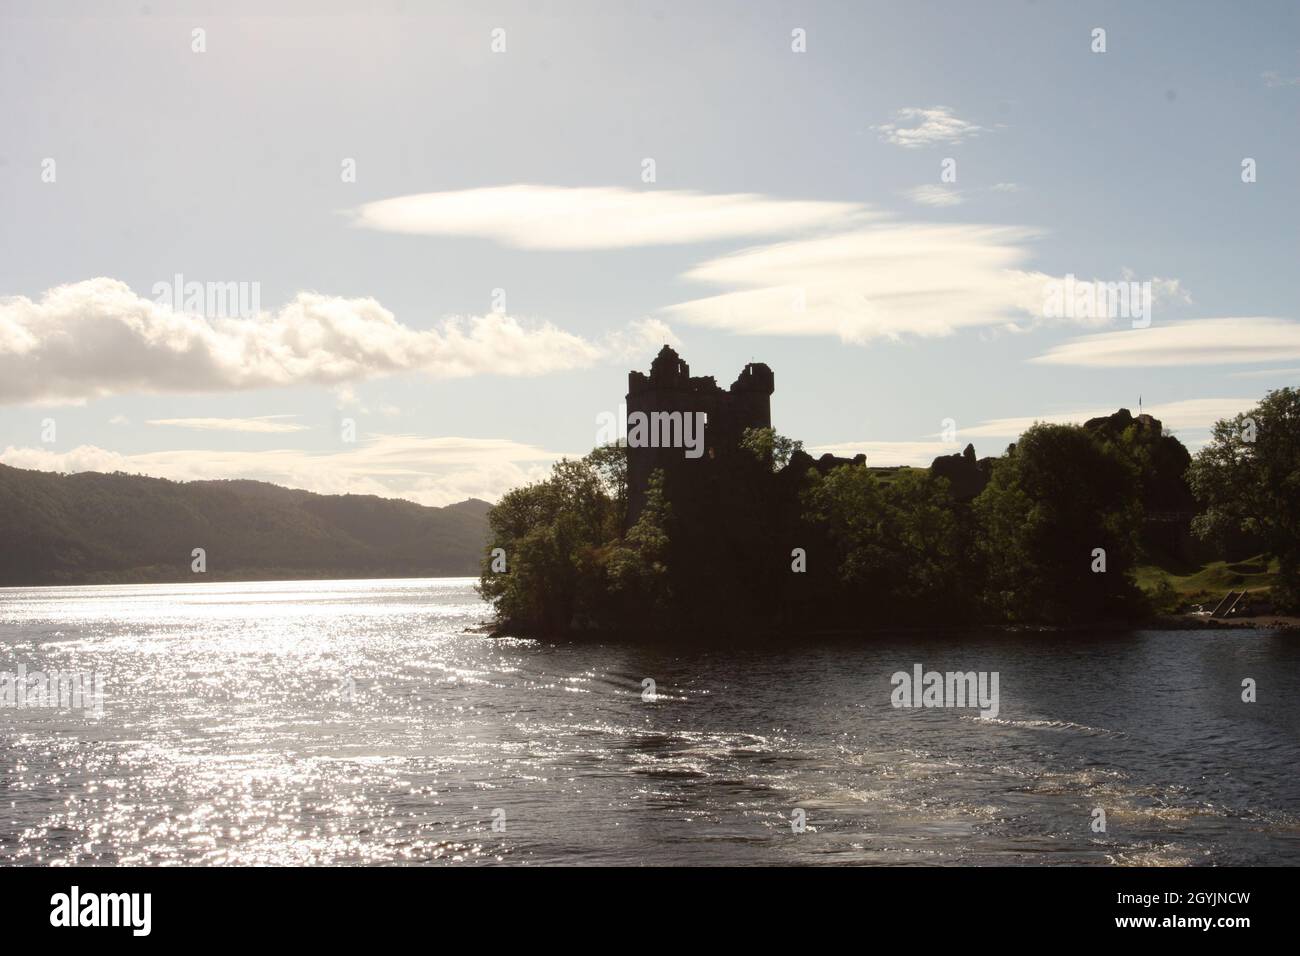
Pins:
<point x="1174" y="585"/>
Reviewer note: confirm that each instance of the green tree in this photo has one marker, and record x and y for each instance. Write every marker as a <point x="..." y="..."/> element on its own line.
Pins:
<point x="933" y="570"/>
<point x="1248" y="479"/>
<point x="609" y="462"/>
<point x="1054" y="498"/>
<point x="634" y="570"/>
<point x="550" y="532"/>
<point x="848" y="507"/>
<point x="767" y="445"/>
<point x="895" y="547"/>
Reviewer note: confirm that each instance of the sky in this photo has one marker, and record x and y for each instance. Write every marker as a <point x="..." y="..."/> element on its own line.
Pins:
<point x="416" y="252"/>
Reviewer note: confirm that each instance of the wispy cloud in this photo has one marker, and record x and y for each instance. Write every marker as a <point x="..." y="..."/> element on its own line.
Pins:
<point x="940" y="195"/>
<point x="840" y="268"/>
<point x="933" y="194"/>
<point x="431" y="471"/>
<point x="641" y="337"/>
<point x="1219" y="341"/>
<point x="97" y="338"/>
<point x="915" y="127"/>
<point x="890" y="280"/>
<point x="1274" y="79"/>
<point x="1266" y="373"/>
<point x="561" y="217"/>
<point x="268" y="424"/>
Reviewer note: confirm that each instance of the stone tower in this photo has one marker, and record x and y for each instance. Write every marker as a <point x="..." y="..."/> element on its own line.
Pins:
<point x="670" y="388"/>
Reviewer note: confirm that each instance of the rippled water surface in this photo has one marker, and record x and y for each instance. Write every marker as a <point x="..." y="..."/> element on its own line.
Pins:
<point x="350" y="722"/>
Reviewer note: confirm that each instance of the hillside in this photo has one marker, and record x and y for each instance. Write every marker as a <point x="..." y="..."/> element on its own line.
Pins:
<point x="101" y="528"/>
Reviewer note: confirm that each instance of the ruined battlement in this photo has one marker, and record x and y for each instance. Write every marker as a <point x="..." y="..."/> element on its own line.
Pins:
<point x="670" y="388"/>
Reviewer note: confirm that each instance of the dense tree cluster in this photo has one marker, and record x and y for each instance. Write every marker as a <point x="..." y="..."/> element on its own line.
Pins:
<point x="1248" y="478"/>
<point x="768" y="541"/>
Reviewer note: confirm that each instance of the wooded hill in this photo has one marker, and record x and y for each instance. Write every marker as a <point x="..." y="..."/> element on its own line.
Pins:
<point x="94" y="528"/>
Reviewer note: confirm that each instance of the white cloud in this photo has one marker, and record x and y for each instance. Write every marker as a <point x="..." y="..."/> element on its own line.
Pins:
<point x="430" y="471"/>
<point x="267" y="424"/>
<point x="941" y="195"/>
<point x="1267" y="373"/>
<point x="1275" y="79"/>
<point x="560" y="217"/>
<point x="936" y="195"/>
<point x="888" y="281"/>
<point x="843" y="269"/>
<point x="1221" y="341"/>
<point x="345" y="396"/>
<point x="642" y="337"/>
<point x="916" y="127"/>
<point x="97" y="338"/>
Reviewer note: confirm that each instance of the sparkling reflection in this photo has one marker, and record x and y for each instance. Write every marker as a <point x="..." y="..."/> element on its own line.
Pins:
<point x="359" y="722"/>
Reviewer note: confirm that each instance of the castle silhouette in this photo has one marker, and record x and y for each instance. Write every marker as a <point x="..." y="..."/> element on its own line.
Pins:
<point x="670" y="388"/>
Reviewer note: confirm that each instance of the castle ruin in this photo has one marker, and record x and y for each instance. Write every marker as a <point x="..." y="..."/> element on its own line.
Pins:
<point x="670" y="388"/>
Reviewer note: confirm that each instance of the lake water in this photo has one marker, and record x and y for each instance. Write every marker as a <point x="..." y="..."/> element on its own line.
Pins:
<point x="350" y="722"/>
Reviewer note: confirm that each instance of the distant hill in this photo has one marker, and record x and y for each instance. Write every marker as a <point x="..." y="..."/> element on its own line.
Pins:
<point x="93" y="528"/>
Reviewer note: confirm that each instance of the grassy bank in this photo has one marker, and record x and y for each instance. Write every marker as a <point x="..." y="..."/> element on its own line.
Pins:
<point x="1174" y="586"/>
